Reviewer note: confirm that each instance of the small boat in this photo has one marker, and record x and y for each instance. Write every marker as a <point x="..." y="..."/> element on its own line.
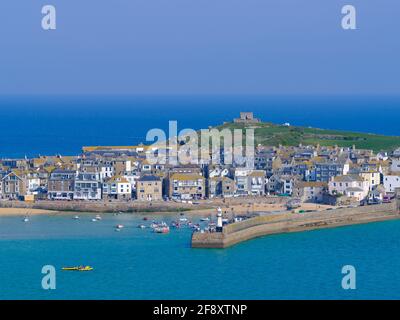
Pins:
<point x="119" y="226"/>
<point x="141" y="226"/>
<point x="94" y="220"/>
<point x="205" y="219"/>
<point x="78" y="268"/>
<point x="175" y="224"/>
<point x="183" y="219"/>
<point x="154" y="225"/>
<point x="98" y="217"/>
<point x="76" y="217"/>
<point x="164" y="229"/>
<point x="196" y="227"/>
<point x="26" y="219"/>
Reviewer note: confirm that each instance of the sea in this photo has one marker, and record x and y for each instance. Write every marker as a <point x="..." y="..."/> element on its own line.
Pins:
<point x="49" y="125"/>
<point x="139" y="264"/>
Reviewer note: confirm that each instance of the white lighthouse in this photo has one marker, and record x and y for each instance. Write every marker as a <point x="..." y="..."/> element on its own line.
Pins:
<point x="219" y="220"/>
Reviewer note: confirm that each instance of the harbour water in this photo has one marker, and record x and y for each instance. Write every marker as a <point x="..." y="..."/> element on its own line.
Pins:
<point x="138" y="264"/>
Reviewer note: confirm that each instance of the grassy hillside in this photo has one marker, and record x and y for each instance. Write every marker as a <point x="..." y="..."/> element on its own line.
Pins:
<point x="273" y="135"/>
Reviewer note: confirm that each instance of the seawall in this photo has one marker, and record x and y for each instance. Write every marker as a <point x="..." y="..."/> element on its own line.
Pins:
<point x="103" y="206"/>
<point x="291" y="222"/>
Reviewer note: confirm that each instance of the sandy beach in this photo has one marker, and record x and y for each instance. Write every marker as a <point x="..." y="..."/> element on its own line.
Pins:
<point x="24" y="211"/>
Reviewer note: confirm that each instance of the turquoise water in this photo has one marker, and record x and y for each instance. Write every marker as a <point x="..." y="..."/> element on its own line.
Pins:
<point x="138" y="264"/>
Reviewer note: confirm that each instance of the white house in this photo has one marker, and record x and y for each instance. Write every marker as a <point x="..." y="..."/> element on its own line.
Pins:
<point x="395" y="166"/>
<point x="287" y="183"/>
<point x="87" y="186"/>
<point x="350" y="185"/>
<point x="382" y="156"/>
<point x="250" y="182"/>
<point x="391" y="182"/>
<point x="117" y="187"/>
<point x="132" y="178"/>
<point x="373" y="177"/>
<point x="32" y="183"/>
<point x="106" y="171"/>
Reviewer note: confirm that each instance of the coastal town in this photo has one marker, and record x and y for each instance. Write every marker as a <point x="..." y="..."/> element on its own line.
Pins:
<point x="316" y="174"/>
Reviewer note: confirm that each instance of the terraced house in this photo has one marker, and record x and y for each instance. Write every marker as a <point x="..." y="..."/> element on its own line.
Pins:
<point x="324" y="171"/>
<point x="187" y="186"/>
<point x="87" y="186"/>
<point x="250" y="182"/>
<point x="61" y="185"/>
<point x="117" y="187"/>
<point x="149" y="188"/>
<point x="351" y="185"/>
<point x="308" y="191"/>
<point x="221" y="187"/>
<point x="32" y="181"/>
<point x="13" y="186"/>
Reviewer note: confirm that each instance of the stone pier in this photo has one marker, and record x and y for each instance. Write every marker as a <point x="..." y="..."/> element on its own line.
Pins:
<point x="294" y="222"/>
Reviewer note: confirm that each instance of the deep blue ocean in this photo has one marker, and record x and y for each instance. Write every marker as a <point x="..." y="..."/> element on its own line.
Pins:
<point x="33" y="125"/>
<point x="138" y="264"/>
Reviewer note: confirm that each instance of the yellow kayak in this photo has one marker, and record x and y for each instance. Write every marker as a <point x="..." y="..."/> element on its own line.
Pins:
<point x="79" y="268"/>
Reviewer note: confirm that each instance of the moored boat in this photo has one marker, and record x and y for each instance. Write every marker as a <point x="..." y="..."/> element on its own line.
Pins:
<point x="154" y="225"/>
<point x="78" y="268"/>
<point x="163" y="229"/>
<point x="175" y="224"/>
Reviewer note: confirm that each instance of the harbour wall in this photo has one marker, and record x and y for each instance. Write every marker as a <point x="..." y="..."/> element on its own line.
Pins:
<point x="137" y="206"/>
<point x="103" y="206"/>
<point x="293" y="222"/>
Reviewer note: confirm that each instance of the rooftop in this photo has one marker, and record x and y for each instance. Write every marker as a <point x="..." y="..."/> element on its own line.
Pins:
<point x="348" y="178"/>
<point x="150" y="178"/>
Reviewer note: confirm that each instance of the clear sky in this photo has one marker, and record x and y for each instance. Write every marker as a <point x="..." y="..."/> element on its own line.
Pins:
<point x="200" y="47"/>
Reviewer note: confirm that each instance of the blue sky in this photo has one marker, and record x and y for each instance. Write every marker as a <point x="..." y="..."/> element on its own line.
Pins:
<point x="199" y="47"/>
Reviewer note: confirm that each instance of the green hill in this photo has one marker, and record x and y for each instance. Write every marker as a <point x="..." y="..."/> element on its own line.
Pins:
<point x="273" y="135"/>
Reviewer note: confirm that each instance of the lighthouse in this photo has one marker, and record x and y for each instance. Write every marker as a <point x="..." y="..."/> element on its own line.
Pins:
<point x="219" y="220"/>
